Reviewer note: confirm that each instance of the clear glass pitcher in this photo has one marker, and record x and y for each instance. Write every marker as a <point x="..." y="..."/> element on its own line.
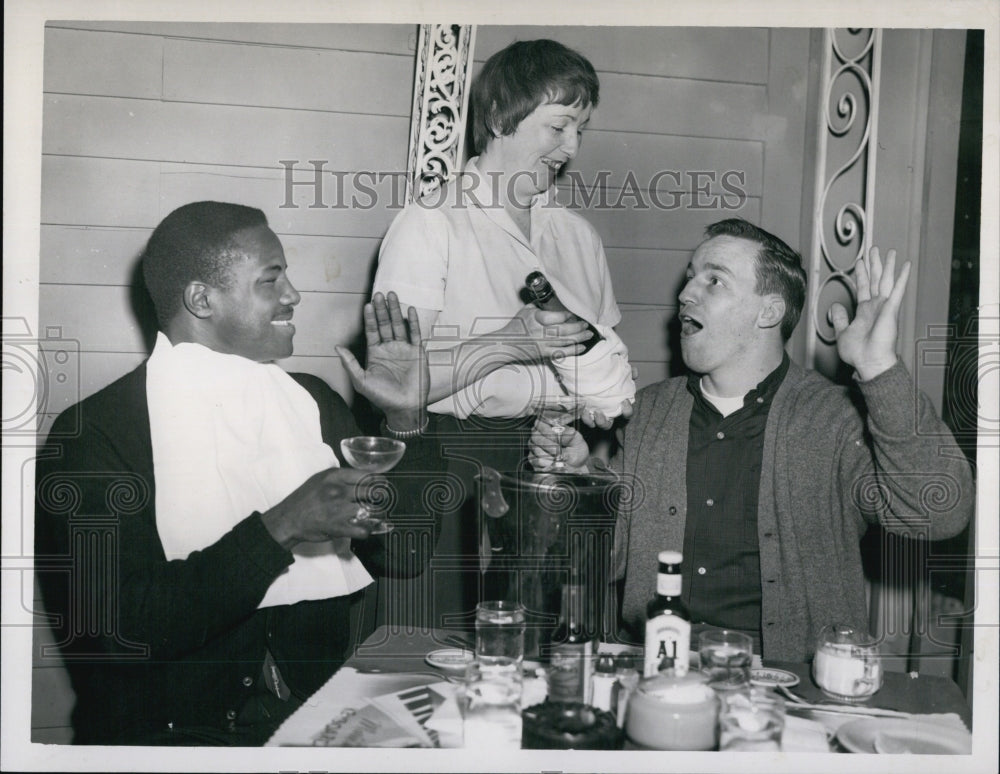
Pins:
<point x="541" y="525"/>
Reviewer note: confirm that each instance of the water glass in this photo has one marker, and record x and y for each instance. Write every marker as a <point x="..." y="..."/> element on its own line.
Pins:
<point x="490" y="702"/>
<point x="725" y="657"/>
<point x="751" y="720"/>
<point x="499" y="633"/>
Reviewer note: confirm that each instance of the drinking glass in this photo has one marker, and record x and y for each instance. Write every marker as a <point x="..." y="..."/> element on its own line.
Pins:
<point x="725" y="658"/>
<point x="558" y="419"/>
<point x="491" y="699"/>
<point x="500" y="634"/>
<point x="372" y="454"/>
<point x="490" y="703"/>
<point x="751" y="721"/>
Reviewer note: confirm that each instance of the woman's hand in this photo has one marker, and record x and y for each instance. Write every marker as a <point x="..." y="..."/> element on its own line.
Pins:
<point x="555" y="334"/>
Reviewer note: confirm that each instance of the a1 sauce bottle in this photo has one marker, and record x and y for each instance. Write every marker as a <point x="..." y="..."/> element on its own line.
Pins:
<point x="668" y="623"/>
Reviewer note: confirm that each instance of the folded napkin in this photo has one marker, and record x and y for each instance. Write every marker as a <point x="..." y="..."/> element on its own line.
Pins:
<point x="602" y="377"/>
<point x="446" y="721"/>
<point x="803" y="735"/>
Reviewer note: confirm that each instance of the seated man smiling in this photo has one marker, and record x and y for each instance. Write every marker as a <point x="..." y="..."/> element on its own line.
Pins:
<point x="214" y="541"/>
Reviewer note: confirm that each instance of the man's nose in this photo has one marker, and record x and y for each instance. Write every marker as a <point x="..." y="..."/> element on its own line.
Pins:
<point x="687" y="294"/>
<point x="290" y="296"/>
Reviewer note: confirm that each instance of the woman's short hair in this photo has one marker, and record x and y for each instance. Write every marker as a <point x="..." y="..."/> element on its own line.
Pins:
<point x="518" y="79"/>
<point x="193" y="243"/>
<point x="778" y="268"/>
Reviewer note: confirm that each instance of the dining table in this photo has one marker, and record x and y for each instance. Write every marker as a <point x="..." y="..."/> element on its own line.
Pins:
<point x="393" y="688"/>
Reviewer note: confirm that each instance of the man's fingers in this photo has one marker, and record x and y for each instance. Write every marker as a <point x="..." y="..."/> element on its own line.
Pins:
<point x="414" y="320"/>
<point x="838" y="318"/>
<point x="874" y="270"/>
<point x="862" y="279"/>
<point x="888" y="275"/>
<point x="382" y="317"/>
<point x="396" y="317"/>
<point x="371" y="325"/>
<point x="896" y="296"/>
<point x="350" y="362"/>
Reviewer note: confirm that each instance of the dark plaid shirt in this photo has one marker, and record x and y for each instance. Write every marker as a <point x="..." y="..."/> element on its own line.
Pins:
<point x="721" y="552"/>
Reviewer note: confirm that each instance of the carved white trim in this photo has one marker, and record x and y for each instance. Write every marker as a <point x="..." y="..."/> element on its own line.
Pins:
<point x="844" y="198"/>
<point x="440" y="106"/>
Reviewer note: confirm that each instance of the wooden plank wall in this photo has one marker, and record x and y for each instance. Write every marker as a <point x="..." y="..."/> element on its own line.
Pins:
<point x="140" y="118"/>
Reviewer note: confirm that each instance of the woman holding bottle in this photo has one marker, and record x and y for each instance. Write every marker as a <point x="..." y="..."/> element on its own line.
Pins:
<point x="460" y="257"/>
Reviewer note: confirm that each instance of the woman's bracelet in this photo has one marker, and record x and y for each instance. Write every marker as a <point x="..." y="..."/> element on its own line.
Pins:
<point x="402" y="435"/>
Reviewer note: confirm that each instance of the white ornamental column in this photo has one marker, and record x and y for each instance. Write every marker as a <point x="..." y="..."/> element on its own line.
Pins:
<point x="440" y="106"/>
<point x="844" y="181"/>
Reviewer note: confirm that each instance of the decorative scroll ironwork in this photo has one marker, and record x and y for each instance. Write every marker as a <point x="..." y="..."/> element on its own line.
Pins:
<point x="844" y="198"/>
<point x="440" y="106"/>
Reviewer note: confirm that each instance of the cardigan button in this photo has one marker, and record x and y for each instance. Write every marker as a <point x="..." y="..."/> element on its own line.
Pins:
<point x="231" y="714"/>
<point x="248" y="681"/>
<point x="672" y="510"/>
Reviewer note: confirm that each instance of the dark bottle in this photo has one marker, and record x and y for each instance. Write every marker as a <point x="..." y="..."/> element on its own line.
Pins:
<point x="544" y="297"/>
<point x="572" y="655"/>
<point x="668" y="623"/>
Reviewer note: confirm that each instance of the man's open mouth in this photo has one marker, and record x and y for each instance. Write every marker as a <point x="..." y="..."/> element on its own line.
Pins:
<point x="689" y="325"/>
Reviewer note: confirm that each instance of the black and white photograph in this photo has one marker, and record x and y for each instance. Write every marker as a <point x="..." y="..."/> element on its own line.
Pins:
<point x="543" y="387"/>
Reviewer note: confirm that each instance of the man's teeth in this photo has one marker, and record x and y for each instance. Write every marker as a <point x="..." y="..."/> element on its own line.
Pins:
<point x="690" y="325"/>
<point x="281" y="322"/>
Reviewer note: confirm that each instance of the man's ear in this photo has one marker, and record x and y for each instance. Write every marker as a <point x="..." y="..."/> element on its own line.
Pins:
<point x="196" y="300"/>
<point x="772" y="311"/>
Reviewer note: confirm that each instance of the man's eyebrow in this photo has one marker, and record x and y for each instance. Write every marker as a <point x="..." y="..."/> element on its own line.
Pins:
<point x="719" y="268"/>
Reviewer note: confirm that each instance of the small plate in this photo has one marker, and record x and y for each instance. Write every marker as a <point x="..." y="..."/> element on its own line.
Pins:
<point x="450" y="659"/>
<point x="772" y="678"/>
<point x="897" y="735"/>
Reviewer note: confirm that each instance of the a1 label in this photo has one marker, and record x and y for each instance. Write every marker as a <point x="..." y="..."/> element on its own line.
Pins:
<point x="667" y="636"/>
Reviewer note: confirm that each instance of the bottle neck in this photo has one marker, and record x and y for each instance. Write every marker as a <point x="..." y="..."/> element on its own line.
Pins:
<point x="668" y="584"/>
<point x="573" y="606"/>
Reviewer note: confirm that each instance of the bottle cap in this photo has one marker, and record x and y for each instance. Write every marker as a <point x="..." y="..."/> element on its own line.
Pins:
<point x="670" y="557"/>
<point x="605" y="663"/>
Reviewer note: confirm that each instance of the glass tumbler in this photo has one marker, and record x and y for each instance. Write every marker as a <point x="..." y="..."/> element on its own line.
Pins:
<point x="725" y="658"/>
<point x="751" y="720"/>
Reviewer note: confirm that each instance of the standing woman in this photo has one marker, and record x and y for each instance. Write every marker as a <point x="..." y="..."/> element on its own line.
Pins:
<point x="460" y="256"/>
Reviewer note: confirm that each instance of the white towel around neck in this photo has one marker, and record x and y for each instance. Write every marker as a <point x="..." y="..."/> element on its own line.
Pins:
<point x="230" y="437"/>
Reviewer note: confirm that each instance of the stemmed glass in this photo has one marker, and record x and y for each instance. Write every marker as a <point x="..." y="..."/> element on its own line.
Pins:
<point x="372" y="454"/>
<point x="558" y="418"/>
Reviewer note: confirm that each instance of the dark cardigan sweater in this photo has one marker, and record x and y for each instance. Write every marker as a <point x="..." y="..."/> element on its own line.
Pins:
<point x="155" y="647"/>
<point x="834" y="463"/>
